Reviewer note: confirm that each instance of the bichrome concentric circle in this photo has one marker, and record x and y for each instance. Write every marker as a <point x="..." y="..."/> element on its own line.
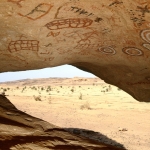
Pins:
<point x="145" y="34"/>
<point x="133" y="51"/>
<point x="107" y="50"/>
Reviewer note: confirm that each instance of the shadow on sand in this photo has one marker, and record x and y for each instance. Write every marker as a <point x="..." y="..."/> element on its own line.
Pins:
<point x="96" y="136"/>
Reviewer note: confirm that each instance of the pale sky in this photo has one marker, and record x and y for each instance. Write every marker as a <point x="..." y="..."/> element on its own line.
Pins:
<point x="61" y="71"/>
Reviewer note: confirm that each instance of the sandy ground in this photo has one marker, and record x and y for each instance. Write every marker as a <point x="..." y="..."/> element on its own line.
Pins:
<point x="85" y="104"/>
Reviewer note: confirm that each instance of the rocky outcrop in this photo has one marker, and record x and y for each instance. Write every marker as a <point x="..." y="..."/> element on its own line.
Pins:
<point x="21" y="131"/>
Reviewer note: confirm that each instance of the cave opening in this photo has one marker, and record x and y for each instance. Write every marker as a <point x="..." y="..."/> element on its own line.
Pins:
<point x="82" y="105"/>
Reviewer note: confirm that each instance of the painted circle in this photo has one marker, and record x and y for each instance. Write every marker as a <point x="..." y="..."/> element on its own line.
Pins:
<point x="107" y="50"/>
<point x="145" y="34"/>
<point x="147" y="46"/>
<point x="132" y="51"/>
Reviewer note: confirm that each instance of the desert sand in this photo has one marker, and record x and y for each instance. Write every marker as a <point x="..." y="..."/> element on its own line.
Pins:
<point x="85" y="106"/>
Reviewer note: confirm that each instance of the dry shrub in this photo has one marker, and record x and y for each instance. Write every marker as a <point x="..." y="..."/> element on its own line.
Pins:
<point x="85" y="106"/>
<point x="80" y="97"/>
<point x="37" y="98"/>
<point x="72" y="90"/>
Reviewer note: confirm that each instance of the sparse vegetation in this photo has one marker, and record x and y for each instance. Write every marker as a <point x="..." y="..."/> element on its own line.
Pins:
<point x="37" y="98"/>
<point x="4" y="90"/>
<point x="23" y="89"/>
<point x="33" y="88"/>
<point x="49" y="89"/>
<point x="106" y="89"/>
<point x="80" y="97"/>
<point x="86" y="106"/>
<point x="72" y="90"/>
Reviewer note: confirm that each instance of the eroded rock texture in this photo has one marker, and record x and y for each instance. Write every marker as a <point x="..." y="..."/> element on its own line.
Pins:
<point x="20" y="131"/>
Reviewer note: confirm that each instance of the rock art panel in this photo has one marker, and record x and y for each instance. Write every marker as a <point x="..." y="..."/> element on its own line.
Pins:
<point x="144" y="9"/>
<point x="84" y="39"/>
<point x="23" y="45"/>
<point x="19" y="45"/>
<point x="53" y="34"/>
<point x="63" y="51"/>
<point x="107" y="50"/>
<point x="17" y="2"/>
<point x="81" y="11"/>
<point x="145" y="35"/>
<point x="74" y="9"/>
<point x="69" y="23"/>
<point x="116" y="2"/>
<point x="87" y="46"/>
<point x="139" y="13"/>
<point x="147" y="46"/>
<point x="38" y="12"/>
<point x="133" y="51"/>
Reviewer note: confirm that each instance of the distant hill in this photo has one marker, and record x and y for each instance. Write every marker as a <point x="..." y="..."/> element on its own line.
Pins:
<point x="54" y="81"/>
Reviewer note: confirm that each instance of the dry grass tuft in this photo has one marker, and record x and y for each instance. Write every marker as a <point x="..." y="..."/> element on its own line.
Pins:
<point x="80" y="97"/>
<point x="37" y="98"/>
<point x="85" y="106"/>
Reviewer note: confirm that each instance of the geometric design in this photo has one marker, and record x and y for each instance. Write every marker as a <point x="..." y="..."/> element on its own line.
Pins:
<point x="107" y="50"/>
<point x="53" y="34"/>
<point x="69" y="23"/>
<point x="87" y="46"/>
<point x="16" y="2"/>
<point x="147" y="46"/>
<point x="38" y="12"/>
<point x="145" y="34"/>
<point x="132" y="51"/>
<point x="31" y="45"/>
